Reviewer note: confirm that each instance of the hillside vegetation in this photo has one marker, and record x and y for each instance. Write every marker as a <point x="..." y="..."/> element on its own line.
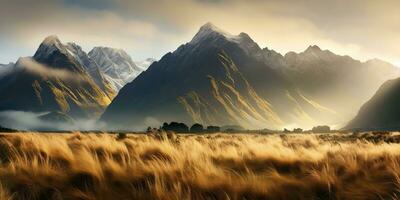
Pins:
<point x="209" y="166"/>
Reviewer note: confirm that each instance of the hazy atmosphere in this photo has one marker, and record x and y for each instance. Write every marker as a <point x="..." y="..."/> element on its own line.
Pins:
<point x="363" y="29"/>
<point x="199" y="99"/>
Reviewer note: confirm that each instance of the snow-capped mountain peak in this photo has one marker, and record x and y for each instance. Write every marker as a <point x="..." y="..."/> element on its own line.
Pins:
<point x="209" y="30"/>
<point x="209" y="34"/>
<point x="104" y="64"/>
<point x="48" y="46"/>
<point x="51" y="40"/>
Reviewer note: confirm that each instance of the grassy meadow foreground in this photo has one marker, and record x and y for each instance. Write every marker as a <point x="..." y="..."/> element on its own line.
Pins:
<point x="214" y="166"/>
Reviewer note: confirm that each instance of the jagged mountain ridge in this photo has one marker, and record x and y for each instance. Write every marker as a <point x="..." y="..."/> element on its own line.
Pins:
<point x="195" y="83"/>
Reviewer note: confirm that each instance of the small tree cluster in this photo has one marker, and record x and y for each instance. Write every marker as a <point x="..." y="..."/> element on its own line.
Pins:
<point x="3" y="129"/>
<point x="183" y="128"/>
<point x="285" y="130"/>
<point x="176" y="127"/>
<point x="213" y="129"/>
<point x="121" y="136"/>
<point x="297" y="130"/>
<point x="152" y="130"/>
<point x="196" y="128"/>
<point x="321" y="129"/>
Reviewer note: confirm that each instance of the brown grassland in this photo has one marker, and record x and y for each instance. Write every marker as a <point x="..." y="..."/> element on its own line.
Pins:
<point x="211" y="166"/>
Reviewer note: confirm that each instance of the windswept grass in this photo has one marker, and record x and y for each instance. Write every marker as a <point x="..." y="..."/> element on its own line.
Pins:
<point x="217" y="166"/>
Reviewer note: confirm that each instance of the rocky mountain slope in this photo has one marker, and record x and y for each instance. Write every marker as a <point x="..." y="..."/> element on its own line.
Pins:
<point x="57" y="78"/>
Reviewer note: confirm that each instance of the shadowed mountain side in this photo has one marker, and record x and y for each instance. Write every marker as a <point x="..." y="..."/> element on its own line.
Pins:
<point x="381" y="112"/>
<point x="210" y="91"/>
<point x="216" y="78"/>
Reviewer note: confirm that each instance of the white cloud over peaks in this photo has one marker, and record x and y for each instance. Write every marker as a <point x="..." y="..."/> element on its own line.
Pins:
<point x="32" y="66"/>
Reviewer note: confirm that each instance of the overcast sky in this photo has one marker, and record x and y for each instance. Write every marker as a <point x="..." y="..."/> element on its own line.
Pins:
<point x="363" y="29"/>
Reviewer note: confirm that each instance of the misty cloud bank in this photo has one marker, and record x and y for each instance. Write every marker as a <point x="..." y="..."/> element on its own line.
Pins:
<point x="21" y="120"/>
<point x="35" y="67"/>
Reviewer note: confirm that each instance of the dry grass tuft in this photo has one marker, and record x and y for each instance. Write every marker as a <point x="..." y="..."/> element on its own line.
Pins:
<point x="215" y="166"/>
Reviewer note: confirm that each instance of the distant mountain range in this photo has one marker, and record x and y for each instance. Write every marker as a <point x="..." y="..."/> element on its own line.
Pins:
<point x="221" y="79"/>
<point x="63" y="78"/>
<point x="214" y="79"/>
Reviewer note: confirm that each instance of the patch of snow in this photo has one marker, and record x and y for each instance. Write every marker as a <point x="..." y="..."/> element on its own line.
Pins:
<point x="48" y="46"/>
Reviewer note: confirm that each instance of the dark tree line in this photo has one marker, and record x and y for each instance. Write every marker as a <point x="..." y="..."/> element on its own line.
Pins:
<point x="3" y="129"/>
<point x="315" y="129"/>
<point x="183" y="128"/>
<point x="321" y="129"/>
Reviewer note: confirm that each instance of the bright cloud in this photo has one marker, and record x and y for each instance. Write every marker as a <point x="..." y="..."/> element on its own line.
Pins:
<point x="361" y="28"/>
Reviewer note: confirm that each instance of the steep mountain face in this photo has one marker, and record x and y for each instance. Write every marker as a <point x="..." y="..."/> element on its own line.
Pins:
<point x="381" y="112"/>
<point x="116" y="65"/>
<point x="54" y="79"/>
<point x="216" y="78"/>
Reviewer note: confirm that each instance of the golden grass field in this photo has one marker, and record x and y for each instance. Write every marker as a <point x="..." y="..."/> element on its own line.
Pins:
<point x="214" y="166"/>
